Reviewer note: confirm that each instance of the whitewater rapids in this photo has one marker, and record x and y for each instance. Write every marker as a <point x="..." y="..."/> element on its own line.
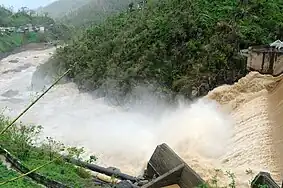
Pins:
<point x="234" y="128"/>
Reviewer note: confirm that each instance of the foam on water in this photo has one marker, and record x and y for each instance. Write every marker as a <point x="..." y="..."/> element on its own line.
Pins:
<point x="213" y="132"/>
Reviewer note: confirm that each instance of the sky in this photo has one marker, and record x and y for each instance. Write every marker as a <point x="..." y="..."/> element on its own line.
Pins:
<point x="31" y="4"/>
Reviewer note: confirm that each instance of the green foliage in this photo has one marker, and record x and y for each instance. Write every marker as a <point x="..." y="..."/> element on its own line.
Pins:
<point x="22" y="17"/>
<point x="95" y="11"/>
<point x="184" y="46"/>
<point x="83" y="173"/>
<point x="7" y="174"/>
<point x="214" y="182"/>
<point x="8" y="42"/>
<point x="11" y="40"/>
<point x="22" y="141"/>
<point x="60" y="8"/>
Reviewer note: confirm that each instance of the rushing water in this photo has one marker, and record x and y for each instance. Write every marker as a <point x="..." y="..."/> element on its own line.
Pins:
<point x="206" y="134"/>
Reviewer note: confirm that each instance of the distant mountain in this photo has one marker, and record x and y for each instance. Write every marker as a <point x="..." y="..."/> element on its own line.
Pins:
<point x="60" y="8"/>
<point x="96" y="11"/>
<point x="85" y="12"/>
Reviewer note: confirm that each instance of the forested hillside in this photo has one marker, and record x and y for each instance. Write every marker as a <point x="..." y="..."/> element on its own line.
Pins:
<point x="184" y="46"/>
<point x="22" y="27"/>
<point x="85" y="12"/>
<point x="60" y="8"/>
<point x="96" y="11"/>
<point x="22" y="17"/>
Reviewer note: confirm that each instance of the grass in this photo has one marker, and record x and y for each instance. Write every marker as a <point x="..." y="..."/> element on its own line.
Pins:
<point x="20" y="141"/>
<point x="7" y="43"/>
<point x="7" y="174"/>
<point x="214" y="181"/>
<point x="10" y="42"/>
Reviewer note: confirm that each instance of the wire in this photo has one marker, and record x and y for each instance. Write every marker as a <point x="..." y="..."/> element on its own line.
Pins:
<point x="22" y="113"/>
<point x="23" y="175"/>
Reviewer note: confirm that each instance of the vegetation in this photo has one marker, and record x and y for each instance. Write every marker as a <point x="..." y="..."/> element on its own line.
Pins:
<point x="10" y="40"/>
<point x="7" y="174"/>
<point x="95" y="12"/>
<point x="84" y="12"/>
<point x="60" y="8"/>
<point x="21" y="141"/>
<point x="187" y="47"/>
<point x="22" y="17"/>
<point x="214" y="181"/>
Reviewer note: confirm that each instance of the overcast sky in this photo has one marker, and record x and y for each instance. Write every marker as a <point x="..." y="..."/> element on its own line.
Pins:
<point x="32" y="4"/>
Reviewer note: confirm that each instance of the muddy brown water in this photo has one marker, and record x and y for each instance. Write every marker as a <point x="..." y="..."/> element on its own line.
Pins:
<point x="234" y="128"/>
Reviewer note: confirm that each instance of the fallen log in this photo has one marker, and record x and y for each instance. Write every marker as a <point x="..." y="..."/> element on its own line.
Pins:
<point x="40" y="179"/>
<point x="96" y="168"/>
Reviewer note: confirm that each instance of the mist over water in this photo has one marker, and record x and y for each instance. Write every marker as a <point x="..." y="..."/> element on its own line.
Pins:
<point x="120" y="136"/>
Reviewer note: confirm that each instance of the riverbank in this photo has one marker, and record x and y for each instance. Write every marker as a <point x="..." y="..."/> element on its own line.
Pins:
<point x="20" y="141"/>
<point x="7" y="174"/>
<point x="24" y="141"/>
<point x="31" y="46"/>
<point x="121" y="136"/>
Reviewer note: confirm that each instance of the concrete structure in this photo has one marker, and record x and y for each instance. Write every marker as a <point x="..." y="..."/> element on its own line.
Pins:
<point x="264" y="59"/>
<point x="22" y="29"/>
<point x="41" y="29"/>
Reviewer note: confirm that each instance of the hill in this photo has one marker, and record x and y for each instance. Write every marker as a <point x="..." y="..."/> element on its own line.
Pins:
<point x="60" y="8"/>
<point x="22" y="17"/>
<point x="84" y="12"/>
<point x="187" y="47"/>
<point x="22" y="27"/>
<point x="96" y="11"/>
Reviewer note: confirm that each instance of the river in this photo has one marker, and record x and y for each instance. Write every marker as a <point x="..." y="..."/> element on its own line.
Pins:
<point x="229" y="129"/>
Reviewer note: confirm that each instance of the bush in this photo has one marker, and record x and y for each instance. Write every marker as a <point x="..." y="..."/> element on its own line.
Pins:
<point x="188" y="46"/>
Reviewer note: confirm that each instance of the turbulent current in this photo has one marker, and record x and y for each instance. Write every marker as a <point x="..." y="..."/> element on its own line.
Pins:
<point x="234" y="128"/>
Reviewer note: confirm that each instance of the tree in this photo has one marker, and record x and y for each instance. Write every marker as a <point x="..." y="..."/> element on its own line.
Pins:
<point x="11" y="39"/>
<point x="177" y="45"/>
<point x="131" y="5"/>
<point x="24" y="9"/>
<point x="32" y="12"/>
<point x="45" y="14"/>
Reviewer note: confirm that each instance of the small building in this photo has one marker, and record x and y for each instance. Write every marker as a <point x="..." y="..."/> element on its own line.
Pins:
<point x="20" y="30"/>
<point x="41" y="29"/>
<point x="264" y="59"/>
<point x="30" y="29"/>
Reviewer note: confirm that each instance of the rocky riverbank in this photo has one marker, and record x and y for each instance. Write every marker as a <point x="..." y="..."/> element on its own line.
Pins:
<point x="31" y="46"/>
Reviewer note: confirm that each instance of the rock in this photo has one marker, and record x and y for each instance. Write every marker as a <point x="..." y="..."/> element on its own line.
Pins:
<point x="14" y="61"/>
<point x="194" y="93"/>
<point x="125" y="184"/>
<point x="141" y="177"/>
<point x="114" y="169"/>
<point x="18" y="69"/>
<point x="13" y="100"/>
<point x="142" y="182"/>
<point x="10" y="93"/>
